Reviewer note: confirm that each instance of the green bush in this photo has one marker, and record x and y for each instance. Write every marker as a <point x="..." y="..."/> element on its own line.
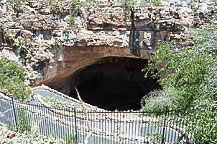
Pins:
<point x="71" y="23"/>
<point x="202" y="122"/>
<point x="191" y="73"/>
<point x="22" y="46"/>
<point x="73" y="3"/>
<point x="127" y="3"/>
<point x="187" y="69"/>
<point x="12" y="79"/>
<point x="158" y="100"/>
<point x="6" y="32"/>
<point x="23" y="123"/>
<point x="158" y="3"/>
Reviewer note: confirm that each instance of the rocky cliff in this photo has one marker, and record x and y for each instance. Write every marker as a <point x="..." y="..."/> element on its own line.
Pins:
<point x="54" y="39"/>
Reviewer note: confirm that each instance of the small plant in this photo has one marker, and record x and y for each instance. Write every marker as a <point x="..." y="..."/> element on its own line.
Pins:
<point x="96" y="108"/>
<point x="154" y="138"/>
<point x="70" y="139"/>
<point x="158" y="3"/>
<point x="73" y="3"/>
<point x="6" y="32"/>
<point x="54" y="7"/>
<point x="23" y="49"/>
<point x="158" y="100"/>
<point x="29" y="56"/>
<point x="24" y="124"/>
<point x="215" y="1"/>
<point x="119" y="133"/>
<point x="22" y="45"/>
<point x="127" y="3"/>
<point x="71" y="21"/>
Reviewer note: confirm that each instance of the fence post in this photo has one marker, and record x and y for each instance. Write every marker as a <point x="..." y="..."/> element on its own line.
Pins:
<point x="76" y="132"/>
<point x="15" y="117"/>
<point x="1" y="39"/>
<point x="164" y="126"/>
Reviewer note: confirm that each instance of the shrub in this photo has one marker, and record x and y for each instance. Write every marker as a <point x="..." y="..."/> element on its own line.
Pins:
<point x="158" y="3"/>
<point x="73" y="3"/>
<point x="202" y="122"/>
<point x="158" y="100"/>
<point x="187" y="69"/>
<point x="22" y="46"/>
<point x="23" y="124"/>
<point x="128" y="3"/>
<point x="191" y="73"/>
<point x="12" y="79"/>
<point x="6" y="32"/>
<point x="71" y="23"/>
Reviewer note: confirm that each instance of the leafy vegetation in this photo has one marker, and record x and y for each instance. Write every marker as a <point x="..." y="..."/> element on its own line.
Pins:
<point x="70" y="139"/>
<point x="158" y="100"/>
<point x="119" y="134"/>
<point x="154" y="138"/>
<point x="72" y="24"/>
<point x="158" y="3"/>
<point x="71" y="21"/>
<point x="202" y="122"/>
<point x="74" y="3"/>
<point x="22" y="46"/>
<point x="187" y="69"/>
<point x="127" y="3"/>
<point x="24" y="124"/>
<point x="6" y="32"/>
<point x="12" y="79"/>
<point x="188" y="81"/>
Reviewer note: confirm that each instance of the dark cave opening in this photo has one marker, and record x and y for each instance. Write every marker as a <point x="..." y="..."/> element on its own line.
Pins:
<point x="113" y="83"/>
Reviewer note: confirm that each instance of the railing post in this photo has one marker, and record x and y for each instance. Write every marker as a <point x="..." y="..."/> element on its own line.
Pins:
<point x="1" y="39"/>
<point x="76" y="132"/>
<point x="15" y="117"/>
<point x="164" y="126"/>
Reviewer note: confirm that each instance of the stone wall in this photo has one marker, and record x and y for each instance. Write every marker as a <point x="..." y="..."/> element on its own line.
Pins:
<point x="56" y="49"/>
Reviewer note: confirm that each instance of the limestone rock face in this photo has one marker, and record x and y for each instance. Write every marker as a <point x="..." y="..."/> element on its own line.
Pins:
<point x="62" y="37"/>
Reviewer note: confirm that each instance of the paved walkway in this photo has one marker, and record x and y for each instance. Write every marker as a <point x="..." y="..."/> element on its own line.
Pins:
<point x="110" y="130"/>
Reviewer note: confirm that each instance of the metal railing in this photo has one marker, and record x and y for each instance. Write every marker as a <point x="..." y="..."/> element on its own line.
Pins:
<point x="95" y="127"/>
<point x="1" y="39"/>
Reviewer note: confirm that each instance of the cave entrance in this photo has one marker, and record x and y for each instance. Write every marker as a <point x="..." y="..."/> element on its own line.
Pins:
<point x="113" y="83"/>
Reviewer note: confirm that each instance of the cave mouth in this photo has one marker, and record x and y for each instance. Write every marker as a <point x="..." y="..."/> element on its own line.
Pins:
<point x="113" y="83"/>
